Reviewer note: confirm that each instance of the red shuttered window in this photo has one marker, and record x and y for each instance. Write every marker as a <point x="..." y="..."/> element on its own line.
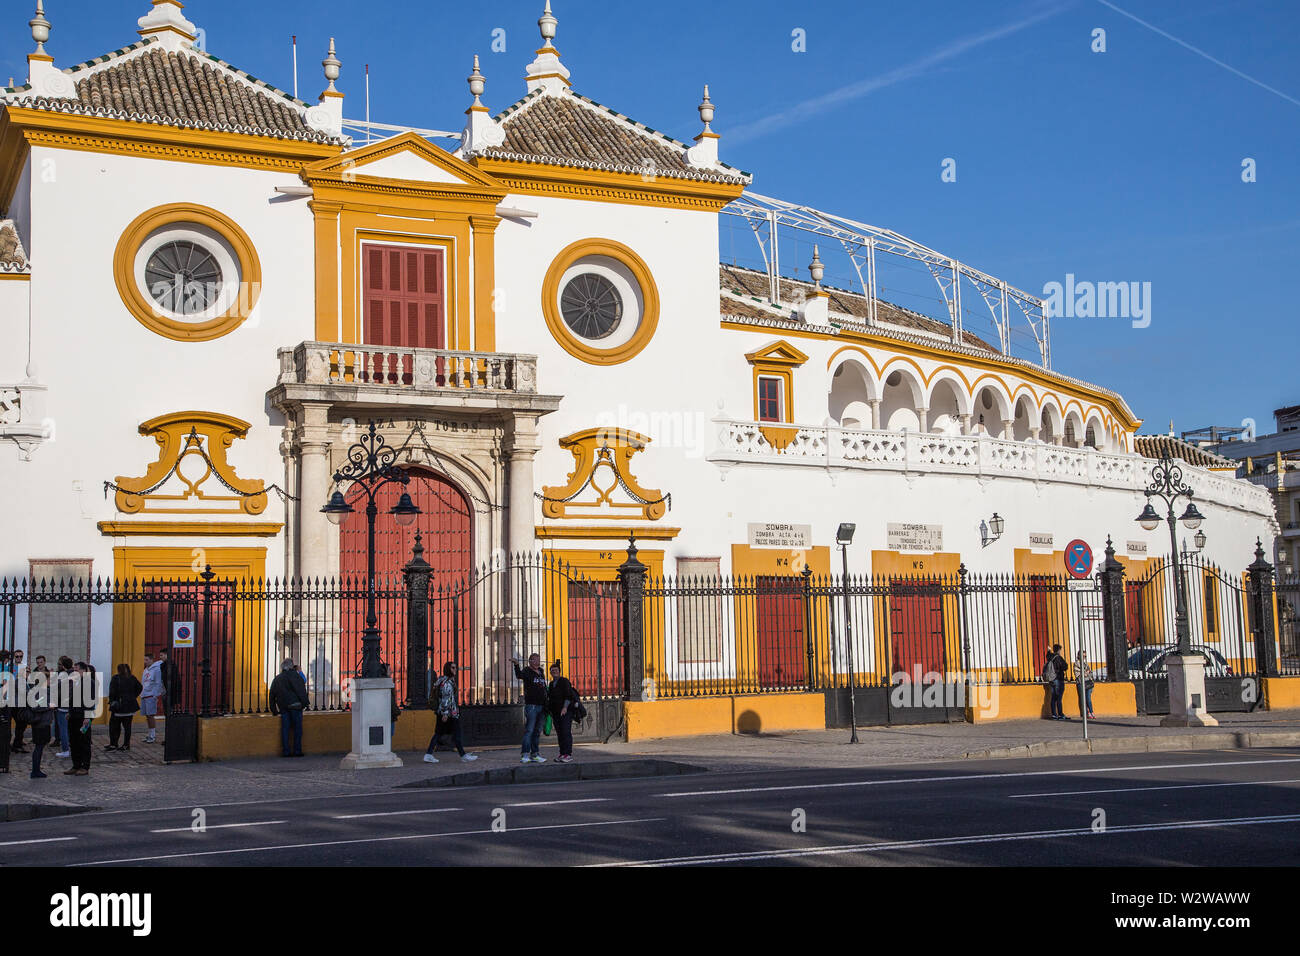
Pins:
<point x="405" y="299"/>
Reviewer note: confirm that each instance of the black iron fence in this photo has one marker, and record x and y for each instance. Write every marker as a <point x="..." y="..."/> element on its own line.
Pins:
<point x="638" y="637"/>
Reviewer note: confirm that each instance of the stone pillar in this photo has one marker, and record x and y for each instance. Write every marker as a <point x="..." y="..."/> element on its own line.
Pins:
<point x="524" y="445"/>
<point x="315" y="484"/>
<point x="631" y="579"/>
<point x="1034" y="432"/>
<point x="1114" y="615"/>
<point x="965" y="424"/>
<point x="1008" y="429"/>
<point x="923" y="414"/>
<point x="1260" y="588"/>
<point x="875" y="413"/>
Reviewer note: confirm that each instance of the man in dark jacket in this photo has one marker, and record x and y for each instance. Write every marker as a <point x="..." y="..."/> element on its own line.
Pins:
<point x="171" y="677"/>
<point x="289" y="700"/>
<point x="1058" y="685"/>
<point x="534" y="679"/>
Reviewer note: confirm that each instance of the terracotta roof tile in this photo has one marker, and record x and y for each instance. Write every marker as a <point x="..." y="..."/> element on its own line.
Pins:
<point x="1158" y="446"/>
<point x="12" y="256"/>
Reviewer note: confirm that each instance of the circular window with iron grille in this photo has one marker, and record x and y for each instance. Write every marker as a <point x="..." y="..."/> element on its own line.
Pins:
<point x="591" y="306"/>
<point x="183" y="277"/>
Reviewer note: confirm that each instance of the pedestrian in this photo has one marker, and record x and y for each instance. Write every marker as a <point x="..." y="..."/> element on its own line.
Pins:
<point x="1049" y="680"/>
<point x="20" y="680"/>
<point x="8" y="696"/>
<point x="80" y="709"/>
<point x="534" y="706"/>
<point x="61" y="678"/>
<point x="1083" y="672"/>
<point x="40" y="715"/>
<point x="152" y="693"/>
<point x="171" y="678"/>
<point x="289" y="700"/>
<point x="1058" y="686"/>
<point x="561" y="698"/>
<point x="448" y="711"/>
<point x="123" y="693"/>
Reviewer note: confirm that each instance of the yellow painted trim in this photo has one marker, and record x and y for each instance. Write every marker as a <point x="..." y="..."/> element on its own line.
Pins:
<point x="911" y="567"/>
<point x="585" y="447"/>
<point x="485" y="294"/>
<point x="649" y="532"/>
<point x="146" y="313"/>
<point x="254" y="529"/>
<point x="326" y="220"/>
<point x="538" y="179"/>
<point x="15" y="276"/>
<point x="748" y="714"/>
<point x="139" y="565"/>
<point x="786" y="376"/>
<point x="777" y="353"/>
<point x="1028" y="701"/>
<point x="1281" y="693"/>
<point x="551" y="302"/>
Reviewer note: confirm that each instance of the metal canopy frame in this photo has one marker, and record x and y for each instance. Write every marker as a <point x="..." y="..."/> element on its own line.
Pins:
<point x="861" y="242"/>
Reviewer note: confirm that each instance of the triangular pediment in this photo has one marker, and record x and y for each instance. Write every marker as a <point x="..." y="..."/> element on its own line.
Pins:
<point x="407" y="157"/>
<point x="777" y="353"/>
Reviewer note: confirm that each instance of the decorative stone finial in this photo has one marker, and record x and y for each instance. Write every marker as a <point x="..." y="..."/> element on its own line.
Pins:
<point x="333" y="69"/>
<point x="547" y="72"/>
<point x="816" y="269"/>
<point x="477" y="85"/>
<point x="40" y="28"/>
<point x="168" y="25"/>
<point x="706" y="110"/>
<point x="704" y="154"/>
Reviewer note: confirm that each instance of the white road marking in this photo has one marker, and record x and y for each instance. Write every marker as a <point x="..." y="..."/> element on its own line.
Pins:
<point x="388" y="839"/>
<point x="1176" y="786"/>
<point x="220" y="826"/>
<point x="556" y="803"/>
<point x="46" y="840"/>
<point x="973" y="776"/>
<point x="395" y="813"/>
<point x="743" y="857"/>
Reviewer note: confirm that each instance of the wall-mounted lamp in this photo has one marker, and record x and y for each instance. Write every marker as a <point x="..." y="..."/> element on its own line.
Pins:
<point x="991" y="530"/>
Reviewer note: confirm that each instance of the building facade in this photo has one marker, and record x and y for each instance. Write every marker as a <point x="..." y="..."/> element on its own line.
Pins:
<point x="209" y="290"/>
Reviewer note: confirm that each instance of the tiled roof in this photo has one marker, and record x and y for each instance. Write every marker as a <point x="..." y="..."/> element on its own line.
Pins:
<point x="12" y="256"/>
<point x="750" y="282"/>
<point x="189" y="89"/>
<point x="1158" y="446"/>
<point x="568" y="129"/>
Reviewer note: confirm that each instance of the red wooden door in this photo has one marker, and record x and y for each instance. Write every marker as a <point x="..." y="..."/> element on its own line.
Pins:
<point x="445" y="522"/>
<point x="404" y="303"/>
<point x="175" y="603"/>
<point x="1039" y="614"/>
<point x="916" y="628"/>
<point x="782" y="653"/>
<point x="1133" y="613"/>
<point x="595" y="625"/>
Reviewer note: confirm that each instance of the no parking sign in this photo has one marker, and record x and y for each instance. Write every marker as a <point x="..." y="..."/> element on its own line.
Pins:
<point x="182" y="633"/>
<point x="1078" y="558"/>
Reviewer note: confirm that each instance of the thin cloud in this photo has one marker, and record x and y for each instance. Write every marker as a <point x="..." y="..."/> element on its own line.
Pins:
<point x="1201" y="53"/>
<point x="827" y="101"/>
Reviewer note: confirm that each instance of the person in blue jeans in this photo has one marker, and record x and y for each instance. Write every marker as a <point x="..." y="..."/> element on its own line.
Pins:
<point x="534" y="679"/>
<point x="289" y="699"/>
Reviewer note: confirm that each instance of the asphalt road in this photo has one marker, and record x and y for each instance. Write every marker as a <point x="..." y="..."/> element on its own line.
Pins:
<point x="1201" y="808"/>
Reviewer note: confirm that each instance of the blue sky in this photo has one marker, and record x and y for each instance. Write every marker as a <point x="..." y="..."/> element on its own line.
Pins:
<point x="1117" y="166"/>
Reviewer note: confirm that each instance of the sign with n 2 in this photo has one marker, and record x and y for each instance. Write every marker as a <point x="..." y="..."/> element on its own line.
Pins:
<point x="1078" y="558"/>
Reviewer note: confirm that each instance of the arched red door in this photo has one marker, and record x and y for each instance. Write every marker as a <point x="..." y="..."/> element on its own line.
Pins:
<point x="446" y="526"/>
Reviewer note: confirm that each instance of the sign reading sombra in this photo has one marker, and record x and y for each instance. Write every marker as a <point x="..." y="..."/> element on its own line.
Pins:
<point x="776" y="535"/>
<point x="914" y="537"/>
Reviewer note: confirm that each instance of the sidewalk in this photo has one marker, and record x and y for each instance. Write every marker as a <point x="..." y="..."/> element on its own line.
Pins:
<point x="139" y="780"/>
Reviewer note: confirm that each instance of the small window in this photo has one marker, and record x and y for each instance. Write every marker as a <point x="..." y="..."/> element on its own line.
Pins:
<point x="1211" y="606"/>
<point x="770" y="406"/>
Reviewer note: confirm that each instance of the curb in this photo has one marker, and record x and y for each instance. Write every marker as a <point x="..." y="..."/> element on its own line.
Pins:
<point x="1154" y="743"/>
<point x="551" y="773"/>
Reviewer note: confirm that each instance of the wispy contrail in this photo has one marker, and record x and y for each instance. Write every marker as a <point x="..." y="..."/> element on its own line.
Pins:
<point x="820" y="104"/>
<point x="1201" y="53"/>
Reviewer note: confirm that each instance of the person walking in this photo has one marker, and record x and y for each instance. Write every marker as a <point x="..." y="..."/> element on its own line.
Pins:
<point x="448" y="708"/>
<point x="41" y="718"/>
<point x="560" y="699"/>
<point x="62" y="676"/>
<point x="80" y="707"/>
<point x="1058" y="685"/>
<point x="289" y="700"/>
<point x="8" y="696"/>
<point x="171" y="678"/>
<point x="123" y="702"/>
<point x="534" y="706"/>
<point x="1083" y="672"/>
<point x="17" y="668"/>
<point x="152" y="694"/>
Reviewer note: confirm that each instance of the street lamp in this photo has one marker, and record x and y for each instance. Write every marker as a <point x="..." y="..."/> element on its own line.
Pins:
<point x="844" y="538"/>
<point x="1167" y="484"/>
<point x="371" y="466"/>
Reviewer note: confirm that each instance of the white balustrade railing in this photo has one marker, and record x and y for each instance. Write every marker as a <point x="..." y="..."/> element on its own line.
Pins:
<point x="326" y="363"/>
<point x="915" y="452"/>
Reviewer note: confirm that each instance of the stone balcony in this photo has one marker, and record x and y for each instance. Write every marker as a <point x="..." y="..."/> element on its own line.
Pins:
<point x="979" y="456"/>
<point x="340" y="373"/>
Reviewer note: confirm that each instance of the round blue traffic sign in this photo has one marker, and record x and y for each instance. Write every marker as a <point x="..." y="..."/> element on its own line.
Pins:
<point x="1078" y="558"/>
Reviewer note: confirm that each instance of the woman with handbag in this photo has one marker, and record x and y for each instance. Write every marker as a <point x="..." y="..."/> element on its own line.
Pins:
<point x="123" y="701"/>
<point x="560" y="699"/>
<point x="445" y="703"/>
<point x="80" y="710"/>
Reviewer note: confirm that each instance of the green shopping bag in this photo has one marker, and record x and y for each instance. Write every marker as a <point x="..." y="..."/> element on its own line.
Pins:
<point x="547" y="728"/>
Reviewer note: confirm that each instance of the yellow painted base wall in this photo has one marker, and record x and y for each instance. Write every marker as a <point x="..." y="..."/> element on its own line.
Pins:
<point x="1027" y="701"/>
<point x="725" y="715"/>
<point x="1281" y="693"/>
<point x="226" y="738"/>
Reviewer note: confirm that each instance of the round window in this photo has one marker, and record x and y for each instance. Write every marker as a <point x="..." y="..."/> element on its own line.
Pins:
<point x="183" y="277"/>
<point x="591" y="306"/>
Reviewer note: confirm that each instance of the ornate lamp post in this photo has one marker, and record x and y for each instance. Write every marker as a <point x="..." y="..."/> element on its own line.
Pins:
<point x="1167" y="484"/>
<point x="371" y="465"/>
<point x="844" y="538"/>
